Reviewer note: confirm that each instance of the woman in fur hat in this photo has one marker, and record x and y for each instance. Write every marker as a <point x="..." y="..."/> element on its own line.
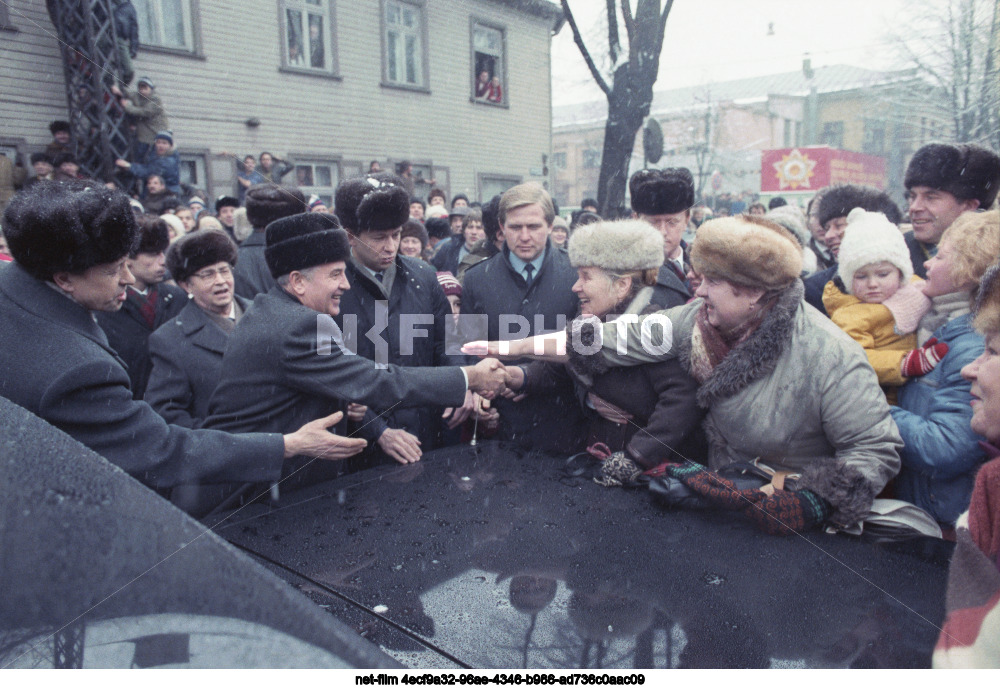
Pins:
<point x="942" y="453"/>
<point x="639" y="415"/>
<point x="780" y="383"/>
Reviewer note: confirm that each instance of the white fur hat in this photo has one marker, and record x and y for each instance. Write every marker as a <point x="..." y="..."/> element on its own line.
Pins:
<point x="871" y="238"/>
<point x="618" y="246"/>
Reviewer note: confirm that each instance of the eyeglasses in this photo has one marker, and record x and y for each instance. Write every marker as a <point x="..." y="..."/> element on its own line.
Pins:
<point x="224" y="271"/>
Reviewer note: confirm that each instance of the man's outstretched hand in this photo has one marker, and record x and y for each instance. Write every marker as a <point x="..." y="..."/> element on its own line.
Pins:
<point x="488" y="378"/>
<point x="314" y="440"/>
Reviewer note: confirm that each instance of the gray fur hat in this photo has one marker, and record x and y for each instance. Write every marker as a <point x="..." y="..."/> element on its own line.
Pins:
<point x="966" y="171"/>
<point x="618" y="246"/>
<point x="792" y="219"/>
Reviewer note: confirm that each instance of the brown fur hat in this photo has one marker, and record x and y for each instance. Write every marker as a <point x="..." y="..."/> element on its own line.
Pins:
<point x="967" y="171"/>
<point x="747" y="251"/>
<point x="197" y="250"/>
<point x="268" y="202"/>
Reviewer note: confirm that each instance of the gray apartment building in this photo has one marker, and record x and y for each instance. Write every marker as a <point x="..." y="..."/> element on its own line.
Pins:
<point x="461" y="88"/>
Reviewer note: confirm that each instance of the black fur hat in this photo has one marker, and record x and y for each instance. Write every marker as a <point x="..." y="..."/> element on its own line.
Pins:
<point x="154" y="235"/>
<point x="268" y="202"/>
<point x="69" y="226"/>
<point x="226" y="200"/>
<point x="967" y="171"/>
<point x="438" y="227"/>
<point x="378" y="201"/>
<point x="840" y="199"/>
<point x="655" y="192"/>
<point x="59" y="126"/>
<point x="491" y="218"/>
<point x="303" y="241"/>
<point x="194" y="251"/>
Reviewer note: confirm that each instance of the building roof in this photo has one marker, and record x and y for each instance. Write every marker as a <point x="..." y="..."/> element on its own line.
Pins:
<point x="829" y="79"/>
<point x="540" y="8"/>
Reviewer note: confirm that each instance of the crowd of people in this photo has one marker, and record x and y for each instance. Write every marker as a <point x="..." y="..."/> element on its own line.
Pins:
<point x="217" y="356"/>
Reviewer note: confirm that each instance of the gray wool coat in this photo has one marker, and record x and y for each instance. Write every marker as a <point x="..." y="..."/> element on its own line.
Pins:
<point x="58" y="365"/>
<point x="187" y="362"/>
<point x="798" y="393"/>
<point x="276" y="376"/>
<point x="251" y="273"/>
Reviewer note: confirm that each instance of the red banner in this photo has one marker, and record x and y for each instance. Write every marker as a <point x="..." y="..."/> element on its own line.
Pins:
<point x="812" y="168"/>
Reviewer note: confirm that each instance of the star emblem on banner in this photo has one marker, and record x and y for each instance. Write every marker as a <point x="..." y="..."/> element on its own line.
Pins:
<point x="794" y="170"/>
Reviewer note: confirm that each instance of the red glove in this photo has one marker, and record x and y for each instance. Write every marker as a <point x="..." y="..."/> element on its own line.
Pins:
<point x="922" y="360"/>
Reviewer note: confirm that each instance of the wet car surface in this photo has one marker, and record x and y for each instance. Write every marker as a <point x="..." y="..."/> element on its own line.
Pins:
<point x="98" y="571"/>
<point x="493" y="557"/>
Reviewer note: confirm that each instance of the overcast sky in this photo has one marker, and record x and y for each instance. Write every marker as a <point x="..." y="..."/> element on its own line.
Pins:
<point x="717" y="40"/>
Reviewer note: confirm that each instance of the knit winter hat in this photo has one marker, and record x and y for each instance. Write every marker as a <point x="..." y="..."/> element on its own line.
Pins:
<point x="619" y="246"/>
<point x="194" y="251"/>
<point x="747" y="251"/>
<point x="372" y="203"/>
<point x="303" y="241"/>
<point x="840" y="199"/>
<point x="871" y="238"/>
<point x="145" y="80"/>
<point x="967" y="171"/>
<point x="792" y="219"/>
<point x="415" y="228"/>
<point x="436" y="211"/>
<point x="268" y="202"/>
<point x="449" y="284"/>
<point x="166" y="135"/>
<point x="655" y="192"/>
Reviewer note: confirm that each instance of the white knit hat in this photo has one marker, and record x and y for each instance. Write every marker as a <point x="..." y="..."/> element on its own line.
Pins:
<point x="871" y="238"/>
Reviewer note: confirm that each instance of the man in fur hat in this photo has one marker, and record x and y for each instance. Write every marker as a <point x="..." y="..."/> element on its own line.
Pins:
<point x="149" y="303"/>
<point x="70" y="242"/>
<point x="373" y="210"/>
<point x="187" y="351"/>
<point x="836" y="203"/>
<point x="526" y="289"/>
<point x="942" y="182"/>
<point x="265" y="203"/>
<point x="285" y="359"/>
<point x="663" y="198"/>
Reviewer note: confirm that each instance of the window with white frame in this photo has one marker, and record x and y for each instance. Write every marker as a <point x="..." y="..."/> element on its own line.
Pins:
<point x="319" y="178"/>
<point x="488" y="63"/>
<point x="308" y="34"/>
<point x="404" y="36"/>
<point x="166" y="23"/>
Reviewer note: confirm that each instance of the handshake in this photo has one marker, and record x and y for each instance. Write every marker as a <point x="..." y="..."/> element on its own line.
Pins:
<point x="488" y="378"/>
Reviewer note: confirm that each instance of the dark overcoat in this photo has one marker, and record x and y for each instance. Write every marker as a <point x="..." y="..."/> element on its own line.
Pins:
<point x="128" y="333"/>
<point x="282" y="369"/>
<point x="415" y="292"/>
<point x="669" y="290"/>
<point x="58" y="365"/>
<point x="550" y="422"/>
<point x="187" y="362"/>
<point x="251" y="272"/>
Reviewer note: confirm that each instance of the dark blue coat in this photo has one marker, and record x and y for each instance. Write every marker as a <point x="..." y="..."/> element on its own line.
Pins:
<point x="446" y="258"/>
<point x="168" y="167"/>
<point x="252" y="275"/>
<point x="415" y="292"/>
<point x="187" y="361"/>
<point x="940" y="452"/>
<point x="669" y="290"/>
<point x="59" y="366"/>
<point x="128" y="333"/>
<point x="549" y="421"/>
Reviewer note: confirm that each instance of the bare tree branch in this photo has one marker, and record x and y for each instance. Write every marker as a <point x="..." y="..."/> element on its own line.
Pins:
<point x="614" y="46"/>
<point x="629" y="24"/>
<point x="663" y="24"/>
<point x="578" y="39"/>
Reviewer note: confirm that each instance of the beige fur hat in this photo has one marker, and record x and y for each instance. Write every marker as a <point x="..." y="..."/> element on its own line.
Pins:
<point x="747" y="251"/>
<point x="619" y="246"/>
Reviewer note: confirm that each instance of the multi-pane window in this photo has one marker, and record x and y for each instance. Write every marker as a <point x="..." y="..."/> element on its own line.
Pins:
<point x="404" y="59"/>
<point x="165" y="23"/>
<point x="308" y="34"/>
<point x="833" y="134"/>
<point x="488" y="64"/>
<point x="874" y="141"/>
<point x="319" y="178"/>
<point x="591" y="158"/>
<point x="192" y="171"/>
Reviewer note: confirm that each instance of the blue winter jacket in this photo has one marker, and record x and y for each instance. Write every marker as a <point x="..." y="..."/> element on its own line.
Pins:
<point x="941" y="453"/>
<point x="168" y="167"/>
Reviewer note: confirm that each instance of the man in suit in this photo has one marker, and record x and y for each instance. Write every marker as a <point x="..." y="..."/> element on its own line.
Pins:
<point x="285" y="360"/>
<point x="70" y="242"/>
<point x="149" y="303"/>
